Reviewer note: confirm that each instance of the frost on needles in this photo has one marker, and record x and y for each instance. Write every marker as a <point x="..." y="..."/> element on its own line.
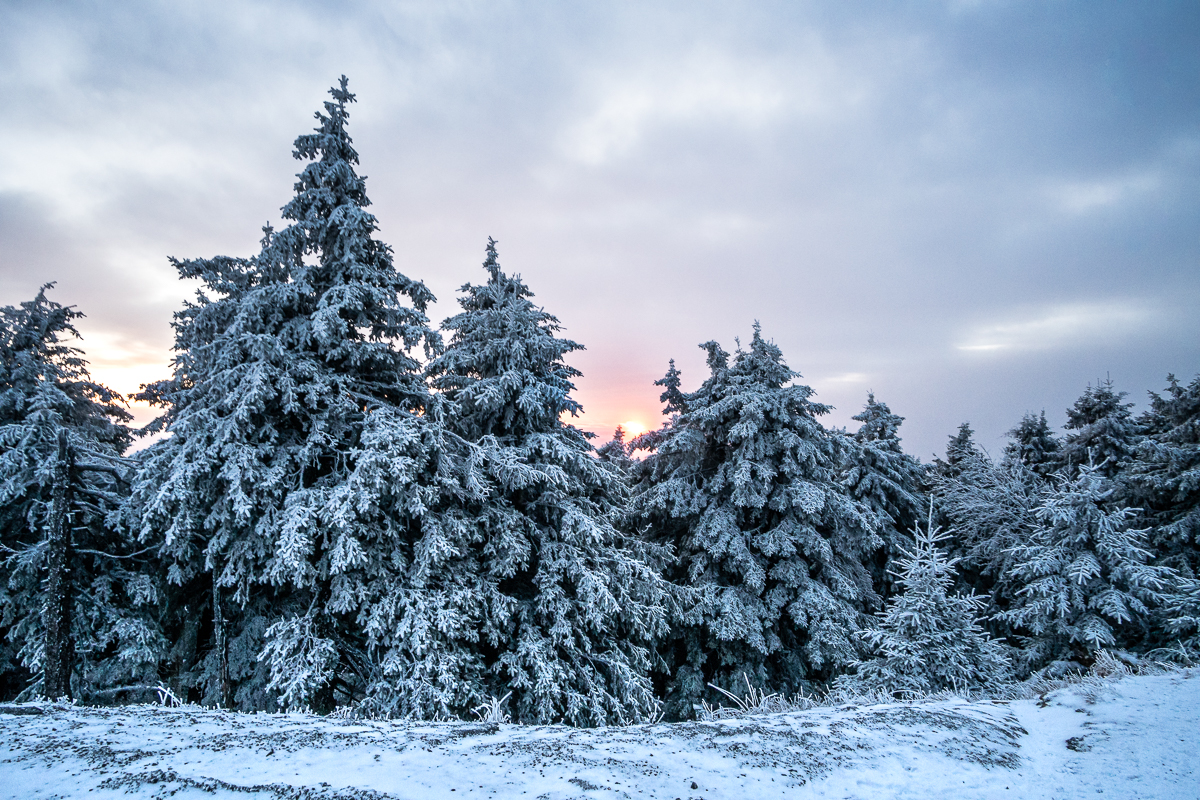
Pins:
<point x="77" y="599"/>
<point x="300" y="465"/>
<point x="928" y="639"/>
<point x="744" y="483"/>
<point x="538" y="593"/>
<point x="355" y="537"/>
<point x="343" y="510"/>
<point x="881" y="476"/>
<point x="1086" y="580"/>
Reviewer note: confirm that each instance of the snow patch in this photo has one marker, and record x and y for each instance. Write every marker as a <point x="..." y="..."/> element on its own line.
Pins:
<point x="1135" y="738"/>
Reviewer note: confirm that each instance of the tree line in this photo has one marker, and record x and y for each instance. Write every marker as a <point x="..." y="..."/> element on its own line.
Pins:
<point x="351" y="507"/>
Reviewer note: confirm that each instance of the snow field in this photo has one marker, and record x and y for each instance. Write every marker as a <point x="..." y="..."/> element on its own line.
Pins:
<point x="1134" y="738"/>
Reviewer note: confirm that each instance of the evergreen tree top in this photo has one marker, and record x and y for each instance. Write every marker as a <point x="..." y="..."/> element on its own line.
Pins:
<point x="961" y="444"/>
<point x="1104" y="432"/>
<point x="504" y="364"/>
<point x="354" y="277"/>
<point x="763" y="363"/>
<point x="32" y="342"/>
<point x="44" y="380"/>
<point x="330" y="141"/>
<point x="960" y="450"/>
<point x="322" y="292"/>
<point x="616" y="450"/>
<point x="672" y="398"/>
<point x="1033" y="444"/>
<point x="717" y="359"/>
<point x="616" y="447"/>
<point x="745" y="400"/>
<point x="925" y="566"/>
<point x="880" y="474"/>
<point x="756" y="370"/>
<point x="879" y="424"/>
<point x="1175" y="417"/>
<point x="1097" y="403"/>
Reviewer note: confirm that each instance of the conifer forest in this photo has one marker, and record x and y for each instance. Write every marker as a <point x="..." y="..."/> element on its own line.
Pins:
<point x="345" y="505"/>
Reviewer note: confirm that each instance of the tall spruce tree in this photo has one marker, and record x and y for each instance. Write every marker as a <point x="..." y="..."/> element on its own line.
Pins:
<point x="300" y="459"/>
<point x="887" y="480"/>
<point x="744" y="485"/>
<point x="1086" y="581"/>
<point x="537" y="595"/>
<point x="77" y="601"/>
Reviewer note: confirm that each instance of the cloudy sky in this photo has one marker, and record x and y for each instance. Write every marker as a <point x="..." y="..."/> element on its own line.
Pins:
<point x="972" y="208"/>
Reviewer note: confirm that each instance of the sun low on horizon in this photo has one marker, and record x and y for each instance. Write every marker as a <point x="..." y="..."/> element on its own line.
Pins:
<point x="633" y="427"/>
<point x="972" y="209"/>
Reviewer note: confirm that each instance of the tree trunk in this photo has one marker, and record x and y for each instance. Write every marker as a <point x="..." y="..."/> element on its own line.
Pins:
<point x="59" y="656"/>
<point x="185" y="656"/>
<point x="224" y="688"/>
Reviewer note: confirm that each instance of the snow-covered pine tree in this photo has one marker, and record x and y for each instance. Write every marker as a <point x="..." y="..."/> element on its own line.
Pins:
<point x="1033" y="445"/>
<point x="961" y="447"/>
<point x="1163" y="478"/>
<point x="1103" y="432"/>
<point x="77" y="601"/>
<point x="989" y="509"/>
<point x="532" y="591"/>
<point x="299" y="461"/>
<point x="744" y="484"/>
<point x="1087" y="583"/>
<point x="673" y="400"/>
<point x="887" y="480"/>
<point x="928" y="638"/>
<point x="1181" y="612"/>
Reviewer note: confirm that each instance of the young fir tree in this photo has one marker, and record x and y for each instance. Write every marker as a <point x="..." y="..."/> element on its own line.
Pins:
<point x="990" y="511"/>
<point x="744" y="484"/>
<point x="77" y="601"/>
<point x="537" y="595"/>
<point x="1163" y="478"/>
<point x="1033" y="445"/>
<point x="300" y="462"/>
<point x="1103" y="432"/>
<point x="887" y="480"/>
<point x="928" y="638"/>
<point x="1087" y="583"/>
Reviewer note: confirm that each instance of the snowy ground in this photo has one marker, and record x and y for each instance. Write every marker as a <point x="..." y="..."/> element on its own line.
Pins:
<point x="1136" y="738"/>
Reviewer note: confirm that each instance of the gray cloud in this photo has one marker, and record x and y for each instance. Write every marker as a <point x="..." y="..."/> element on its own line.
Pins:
<point x="972" y="208"/>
